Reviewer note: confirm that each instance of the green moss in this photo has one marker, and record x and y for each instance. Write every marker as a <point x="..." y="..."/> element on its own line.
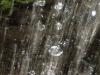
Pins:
<point x="5" y="4"/>
<point x="24" y="1"/>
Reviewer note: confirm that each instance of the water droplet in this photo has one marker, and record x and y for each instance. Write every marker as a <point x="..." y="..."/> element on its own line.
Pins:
<point x="32" y="72"/>
<point x="55" y="50"/>
<point x="93" y="13"/>
<point x="40" y="3"/>
<point x="58" y="6"/>
<point x="59" y="26"/>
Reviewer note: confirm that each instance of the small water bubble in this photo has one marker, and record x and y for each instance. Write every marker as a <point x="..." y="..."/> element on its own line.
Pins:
<point x="93" y="13"/>
<point x="65" y="44"/>
<point x="15" y="39"/>
<point x="22" y="41"/>
<point x="91" y="70"/>
<point x="42" y="16"/>
<point x="6" y="28"/>
<point x="23" y="52"/>
<point x="32" y="72"/>
<point x="99" y="3"/>
<point x="66" y="9"/>
<point x="79" y="47"/>
<point x="59" y="26"/>
<point x="86" y="40"/>
<point x="40" y="27"/>
<point x="50" y="72"/>
<point x="43" y="64"/>
<point x="55" y="50"/>
<point x="40" y="3"/>
<point x="99" y="40"/>
<point x="58" y="6"/>
<point x="21" y="27"/>
<point x="18" y="65"/>
<point x="54" y="15"/>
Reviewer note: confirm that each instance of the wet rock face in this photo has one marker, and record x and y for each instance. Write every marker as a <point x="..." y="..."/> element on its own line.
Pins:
<point x="50" y="37"/>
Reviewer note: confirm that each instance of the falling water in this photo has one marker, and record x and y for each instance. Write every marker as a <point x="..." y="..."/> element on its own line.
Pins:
<point x="13" y="60"/>
<point x="50" y="37"/>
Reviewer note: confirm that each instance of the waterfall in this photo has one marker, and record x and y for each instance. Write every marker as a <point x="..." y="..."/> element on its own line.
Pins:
<point x="49" y="37"/>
